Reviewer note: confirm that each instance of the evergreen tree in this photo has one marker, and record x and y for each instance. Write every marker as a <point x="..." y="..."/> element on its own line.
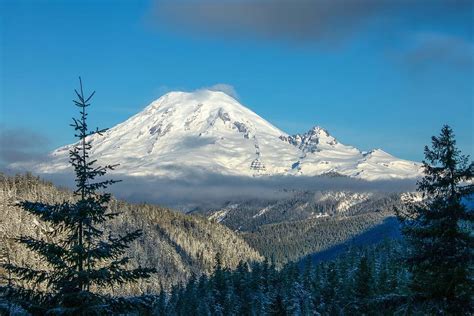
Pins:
<point x="172" y="304"/>
<point x="219" y="283"/>
<point x="299" y="300"/>
<point x="191" y="296"/>
<point x="159" y="308"/>
<point x="80" y="259"/>
<point x="382" y="280"/>
<point x="242" y="285"/>
<point x="316" y="286"/>
<point x="439" y="230"/>
<point x="330" y="288"/>
<point x="277" y="308"/>
<point x="363" y="286"/>
<point x="205" y="296"/>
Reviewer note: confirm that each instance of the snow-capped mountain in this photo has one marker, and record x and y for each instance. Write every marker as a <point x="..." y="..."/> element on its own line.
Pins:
<point x="209" y="131"/>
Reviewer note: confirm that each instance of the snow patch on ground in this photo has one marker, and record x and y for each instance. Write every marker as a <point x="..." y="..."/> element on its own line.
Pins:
<point x="218" y="216"/>
<point x="262" y="211"/>
<point x="345" y="200"/>
<point x="411" y="197"/>
<point x="319" y="215"/>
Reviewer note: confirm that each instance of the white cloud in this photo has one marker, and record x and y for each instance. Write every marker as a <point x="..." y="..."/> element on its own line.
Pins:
<point x="226" y="88"/>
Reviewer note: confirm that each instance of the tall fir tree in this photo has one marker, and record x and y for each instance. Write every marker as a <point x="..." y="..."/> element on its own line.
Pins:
<point x="220" y="284"/>
<point x="363" y="286"/>
<point x="439" y="231"/>
<point x="80" y="258"/>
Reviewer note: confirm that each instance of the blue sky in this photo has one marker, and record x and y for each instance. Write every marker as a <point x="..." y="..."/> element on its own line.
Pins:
<point x="375" y="76"/>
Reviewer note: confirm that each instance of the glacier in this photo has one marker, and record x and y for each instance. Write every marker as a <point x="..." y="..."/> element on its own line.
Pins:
<point x="210" y="131"/>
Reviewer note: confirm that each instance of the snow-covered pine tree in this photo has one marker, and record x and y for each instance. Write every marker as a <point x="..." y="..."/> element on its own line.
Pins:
<point x="439" y="231"/>
<point x="80" y="260"/>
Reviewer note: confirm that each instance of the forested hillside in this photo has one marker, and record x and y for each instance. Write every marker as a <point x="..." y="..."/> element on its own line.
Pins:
<point x="364" y="281"/>
<point x="298" y="205"/>
<point x="302" y="223"/>
<point x="177" y="245"/>
<point x="291" y="241"/>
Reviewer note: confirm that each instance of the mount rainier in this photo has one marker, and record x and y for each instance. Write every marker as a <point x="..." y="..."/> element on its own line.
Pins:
<point x="209" y="131"/>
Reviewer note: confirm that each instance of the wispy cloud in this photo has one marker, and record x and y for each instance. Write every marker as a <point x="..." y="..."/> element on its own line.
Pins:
<point x="21" y="145"/>
<point x="277" y="20"/>
<point x="440" y="50"/>
<point x="222" y="87"/>
<point x="313" y="21"/>
<point x="226" y="88"/>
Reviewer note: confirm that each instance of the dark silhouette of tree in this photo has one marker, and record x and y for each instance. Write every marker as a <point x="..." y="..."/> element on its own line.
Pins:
<point x="81" y="259"/>
<point x="438" y="230"/>
<point x="363" y="286"/>
<point x="277" y="308"/>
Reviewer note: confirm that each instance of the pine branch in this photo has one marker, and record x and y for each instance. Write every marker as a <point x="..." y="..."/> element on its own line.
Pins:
<point x="53" y="253"/>
<point x="27" y="274"/>
<point x="115" y="247"/>
<point x="59" y="213"/>
<point x="116" y="274"/>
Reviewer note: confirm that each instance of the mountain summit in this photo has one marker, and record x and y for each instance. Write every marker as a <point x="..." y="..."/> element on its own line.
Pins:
<point x="209" y="131"/>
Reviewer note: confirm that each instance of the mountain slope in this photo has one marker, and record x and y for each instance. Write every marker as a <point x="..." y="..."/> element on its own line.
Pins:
<point x="211" y="132"/>
<point x="177" y="245"/>
<point x="251" y="214"/>
<point x="292" y="241"/>
<point x="305" y="222"/>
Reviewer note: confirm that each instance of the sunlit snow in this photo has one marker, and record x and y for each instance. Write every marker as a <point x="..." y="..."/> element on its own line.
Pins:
<point x="210" y="131"/>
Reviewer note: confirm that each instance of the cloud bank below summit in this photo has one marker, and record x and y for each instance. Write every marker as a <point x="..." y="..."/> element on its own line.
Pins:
<point x="207" y="189"/>
<point x="21" y="145"/>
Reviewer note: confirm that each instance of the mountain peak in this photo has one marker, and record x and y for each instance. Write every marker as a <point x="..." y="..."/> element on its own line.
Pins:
<point x="318" y="130"/>
<point x="314" y="140"/>
<point x="186" y="109"/>
<point x="377" y="152"/>
<point x="210" y="131"/>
